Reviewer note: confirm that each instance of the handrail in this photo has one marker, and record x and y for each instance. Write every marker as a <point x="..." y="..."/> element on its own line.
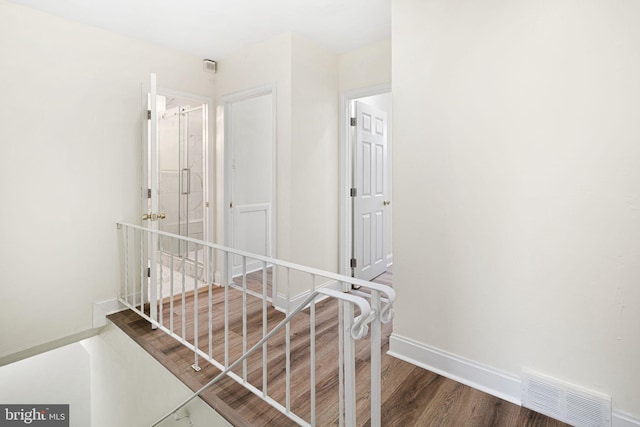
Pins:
<point x="389" y="292"/>
<point x="374" y="308"/>
<point x="359" y="324"/>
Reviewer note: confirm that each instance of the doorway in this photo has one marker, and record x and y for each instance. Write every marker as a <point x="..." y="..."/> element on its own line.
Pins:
<point x="176" y="192"/>
<point x="366" y="176"/>
<point x="249" y="175"/>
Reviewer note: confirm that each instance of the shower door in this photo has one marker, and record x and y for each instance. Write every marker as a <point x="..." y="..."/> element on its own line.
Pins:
<point x="174" y="171"/>
<point x="181" y="156"/>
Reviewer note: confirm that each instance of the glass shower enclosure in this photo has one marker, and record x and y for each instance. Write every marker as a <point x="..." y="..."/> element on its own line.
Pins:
<point x="182" y="130"/>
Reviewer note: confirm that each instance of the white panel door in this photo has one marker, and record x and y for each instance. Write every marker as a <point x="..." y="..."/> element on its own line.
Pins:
<point x="251" y="225"/>
<point x="250" y="133"/>
<point x="369" y="203"/>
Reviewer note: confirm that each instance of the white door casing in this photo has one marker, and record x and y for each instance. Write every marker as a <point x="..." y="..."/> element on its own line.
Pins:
<point x="249" y="145"/>
<point x="369" y="182"/>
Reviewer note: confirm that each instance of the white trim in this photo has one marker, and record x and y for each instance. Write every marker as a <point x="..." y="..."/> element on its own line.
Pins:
<point x="389" y="261"/>
<point x="224" y="172"/>
<point x="468" y="372"/>
<point x="344" y="249"/>
<point x="103" y="308"/>
<point x="622" y="419"/>
<point x="253" y="265"/>
<point x="48" y="346"/>
<point x="484" y="378"/>
<point x="280" y="301"/>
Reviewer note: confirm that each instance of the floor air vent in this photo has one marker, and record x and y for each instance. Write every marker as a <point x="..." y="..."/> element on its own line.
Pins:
<point x="565" y="402"/>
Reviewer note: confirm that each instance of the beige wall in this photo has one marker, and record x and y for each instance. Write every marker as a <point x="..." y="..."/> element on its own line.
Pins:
<point x="314" y="155"/>
<point x="517" y="234"/>
<point x="306" y="79"/>
<point x="62" y="377"/>
<point x="70" y="162"/>
<point x="364" y="67"/>
<point x="263" y="64"/>
<point x="131" y="388"/>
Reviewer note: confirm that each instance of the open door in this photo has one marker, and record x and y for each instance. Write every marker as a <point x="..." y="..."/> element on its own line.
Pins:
<point x="151" y="216"/>
<point x="174" y="188"/>
<point x="370" y="205"/>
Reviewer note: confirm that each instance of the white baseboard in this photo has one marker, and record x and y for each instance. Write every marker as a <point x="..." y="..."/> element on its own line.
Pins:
<point x="484" y="378"/>
<point x="102" y="309"/>
<point x="468" y="372"/>
<point x="622" y="419"/>
<point x="280" y="302"/>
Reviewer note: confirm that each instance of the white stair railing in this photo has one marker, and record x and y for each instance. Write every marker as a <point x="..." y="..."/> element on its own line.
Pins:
<point x="187" y="275"/>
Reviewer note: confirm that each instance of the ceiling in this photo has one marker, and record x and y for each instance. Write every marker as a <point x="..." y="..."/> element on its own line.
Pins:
<point x="216" y="28"/>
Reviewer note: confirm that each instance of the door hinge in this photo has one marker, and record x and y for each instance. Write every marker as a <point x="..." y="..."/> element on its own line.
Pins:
<point x="148" y="114"/>
<point x="354" y="121"/>
<point x="148" y="193"/>
<point x="148" y="271"/>
<point x="353" y="192"/>
<point x="353" y="263"/>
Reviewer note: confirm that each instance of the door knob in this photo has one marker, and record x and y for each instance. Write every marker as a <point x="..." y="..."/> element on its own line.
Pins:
<point x="153" y="216"/>
<point x="387" y="202"/>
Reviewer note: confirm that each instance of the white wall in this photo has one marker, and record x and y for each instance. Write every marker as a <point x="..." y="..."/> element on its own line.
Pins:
<point x="364" y="67"/>
<point x="60" y="376"/>
<point x="314" y="155"/>
<point x="130" y="388"/>
<point x="263" y="64"/>
<point x="517" y="234"/>
<point x="362" y="71"/>
<point x="251" y="131"/>
<point x="251" y="136"/>
<point x="70" y="162"/>
<point x="305" y="77"/>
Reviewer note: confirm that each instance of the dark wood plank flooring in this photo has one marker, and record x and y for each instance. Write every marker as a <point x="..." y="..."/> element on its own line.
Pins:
<point x="411" y="395"/>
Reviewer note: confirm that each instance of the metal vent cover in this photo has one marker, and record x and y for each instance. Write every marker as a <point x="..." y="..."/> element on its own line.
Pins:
<point x="209" y="66"/>
<point x="565" y="402"/>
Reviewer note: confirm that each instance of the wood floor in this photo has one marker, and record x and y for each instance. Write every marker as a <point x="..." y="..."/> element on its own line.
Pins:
<point x="411" y="396"/>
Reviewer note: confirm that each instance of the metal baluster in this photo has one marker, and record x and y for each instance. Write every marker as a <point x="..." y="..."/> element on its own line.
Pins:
<point x="376" y="338"/>
<point x="288" y="343"/>
<point x="312" y="337"/>
<point x="195" y="365"/>
<point x="264" y="328"/>
<point x="226" y="310"/>
<point x="126" y="264"/>
<point x="143" y="273"/>
<point x="341" y="362"/>
<point x="159" y="301"/>
<point x="210" y="303"/>
<point x="184" y="298"/>
<point x="171" y="239"/>
<point x="350" y="368"/>
<point x="244" y="316"/>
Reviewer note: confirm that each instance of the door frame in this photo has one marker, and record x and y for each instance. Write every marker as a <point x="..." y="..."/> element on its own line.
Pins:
<point x="149" y="132"/>
<point x="224" y="174"/>
<point x="346" y="167"/>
